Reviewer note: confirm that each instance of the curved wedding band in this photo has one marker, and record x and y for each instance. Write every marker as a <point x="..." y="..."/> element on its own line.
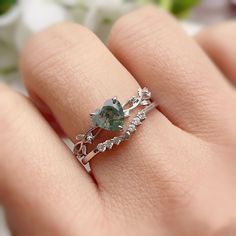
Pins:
<point x="111" y="117"/>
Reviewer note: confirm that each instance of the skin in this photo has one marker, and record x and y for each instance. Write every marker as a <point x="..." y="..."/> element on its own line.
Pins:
<point x="176" y="176"/>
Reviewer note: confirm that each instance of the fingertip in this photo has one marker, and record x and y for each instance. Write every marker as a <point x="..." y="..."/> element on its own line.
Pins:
<point x="49" y="46"/>
<point x="139" y="24"/>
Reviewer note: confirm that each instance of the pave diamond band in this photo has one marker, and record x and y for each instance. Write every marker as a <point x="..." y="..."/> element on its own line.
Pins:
<point x="111" y="117"/>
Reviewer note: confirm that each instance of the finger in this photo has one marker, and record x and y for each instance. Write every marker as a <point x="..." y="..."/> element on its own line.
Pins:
<point x="39" y="178"/>
<point x="191" y="91"/>
<point x="74" y="77"/>
<point x="219" y="43"/>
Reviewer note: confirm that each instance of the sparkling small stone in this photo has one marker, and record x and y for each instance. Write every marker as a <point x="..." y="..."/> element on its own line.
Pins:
<point x="126" y="135"/>
<point x="89" y="137"/>
<point x="146" y="93"/>
<point x="109" y="144"/>
<point x="116" y="140"/>
<point x="131" y="128"/>
<point x="101" y="147"/>
<point x="136" y="121"/>
<point x="133" y="100"/>
<point x="141" y="115"/>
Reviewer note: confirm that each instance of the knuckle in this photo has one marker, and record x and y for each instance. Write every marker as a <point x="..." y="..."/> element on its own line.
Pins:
<point x="139" y="24"/>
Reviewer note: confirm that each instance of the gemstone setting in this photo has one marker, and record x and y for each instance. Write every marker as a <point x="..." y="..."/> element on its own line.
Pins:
<point x="109" y="144"/>
<point x="136" y="121"/>
<point x="110" y="116"/>
<point x="101" y="147"/>
<point x="116" y="140"/>
<point x="131" y="128"/>
<point x="141" y="115"/>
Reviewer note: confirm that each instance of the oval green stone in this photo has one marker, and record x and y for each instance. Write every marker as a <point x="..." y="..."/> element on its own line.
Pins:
<point x="110" y="117"/>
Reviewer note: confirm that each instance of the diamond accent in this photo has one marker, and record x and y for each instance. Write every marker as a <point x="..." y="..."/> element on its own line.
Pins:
<point x="131" y="128"/>
<point x="109" y="144"/>
<point x="146" y="93"/>
<point x="126" y="135"/>
<point x="101" y="147"/>
<point x="133" y="100"/>
<point x="116" y="140"/>
<point x="141" y="115"/>
<point x="136" y="121"/>
<point x="89" y="137"/>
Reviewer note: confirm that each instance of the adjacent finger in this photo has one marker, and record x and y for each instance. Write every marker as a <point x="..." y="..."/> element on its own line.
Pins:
<point x="42" y="186"/>
<point x="191" y="91"/>
<point x="219" y="43"/>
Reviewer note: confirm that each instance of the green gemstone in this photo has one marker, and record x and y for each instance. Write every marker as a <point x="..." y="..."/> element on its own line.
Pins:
<point x="110" y="117"/>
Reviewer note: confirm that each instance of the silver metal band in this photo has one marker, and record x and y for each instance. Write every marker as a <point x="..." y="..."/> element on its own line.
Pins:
<point x="85" y="140"/>
<point x="108" y="144"/>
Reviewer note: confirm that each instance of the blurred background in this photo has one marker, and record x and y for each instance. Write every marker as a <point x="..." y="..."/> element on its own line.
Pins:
<point x="19" y="19"/>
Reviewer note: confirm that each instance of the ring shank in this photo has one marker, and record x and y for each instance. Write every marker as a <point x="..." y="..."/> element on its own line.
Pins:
<point x="95" y="151"/>
<point x="89" y="157"/>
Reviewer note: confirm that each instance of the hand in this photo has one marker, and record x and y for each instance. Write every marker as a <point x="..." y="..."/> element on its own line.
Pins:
<point x="175" y="176"/>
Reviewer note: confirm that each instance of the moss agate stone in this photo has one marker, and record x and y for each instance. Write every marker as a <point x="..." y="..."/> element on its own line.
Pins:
<point x="110" y="117"/>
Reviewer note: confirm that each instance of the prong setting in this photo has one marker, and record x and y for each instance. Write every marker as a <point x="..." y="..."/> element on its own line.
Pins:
<point x="92" y="114"/>
<point x="114" y="99"/>
<point x="121" y="128"/>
